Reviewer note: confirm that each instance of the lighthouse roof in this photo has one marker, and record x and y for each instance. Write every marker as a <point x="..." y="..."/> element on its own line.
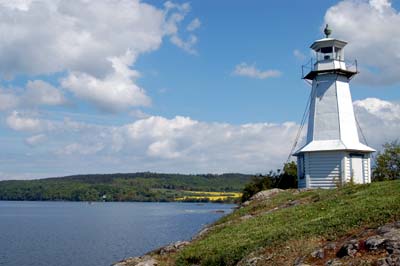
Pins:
<point x="333" y="145"/>
<point x="327" y="42"/>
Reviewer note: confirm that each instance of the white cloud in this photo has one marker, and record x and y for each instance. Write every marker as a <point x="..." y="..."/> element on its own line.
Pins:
<point x="246" y="70"/>
<point x="371" y="28"/>
<point x="139" y="114"/>
<point x="379" y="120"/>
<point x="115" y="92"/>
<point x="35" y="140"/>
<point x="8" y="100"/>
<point x="78" y="36"/>
<point x="299" y="55"/>
<point x="193" y="25"/>
<point x="76" y="148"/>
<point x="185" y="45"/>
<point x="16" y="4"/>
<point x="181" y="144"/>
<point x="89" y="41"/>
<point x="21" y="122"/>
<point x="39" y="92"/>
<point x="176" y="14"/>
<point x="35" y="93"/>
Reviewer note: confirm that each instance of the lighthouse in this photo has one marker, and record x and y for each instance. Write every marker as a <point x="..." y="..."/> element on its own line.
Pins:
<point x="333" y="154"/>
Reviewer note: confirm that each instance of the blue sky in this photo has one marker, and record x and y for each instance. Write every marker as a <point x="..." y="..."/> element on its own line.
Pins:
<point x="182" y="86"/>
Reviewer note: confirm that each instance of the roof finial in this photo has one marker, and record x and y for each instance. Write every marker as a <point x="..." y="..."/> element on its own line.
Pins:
<point x="327" y="31"/>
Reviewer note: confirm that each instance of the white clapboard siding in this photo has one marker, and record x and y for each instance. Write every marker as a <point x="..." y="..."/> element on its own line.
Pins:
<point x="367" y="174"/>
<point x="324" y="169"/>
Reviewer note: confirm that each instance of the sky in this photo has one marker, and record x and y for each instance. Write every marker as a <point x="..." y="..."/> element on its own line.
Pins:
<point x="179" y="86"/>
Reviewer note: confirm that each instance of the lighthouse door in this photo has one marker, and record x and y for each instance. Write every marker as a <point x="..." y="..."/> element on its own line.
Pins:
<point x="357" y="168"/>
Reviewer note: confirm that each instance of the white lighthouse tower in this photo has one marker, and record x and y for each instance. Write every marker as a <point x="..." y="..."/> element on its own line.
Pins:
<point x="332" y="154"/>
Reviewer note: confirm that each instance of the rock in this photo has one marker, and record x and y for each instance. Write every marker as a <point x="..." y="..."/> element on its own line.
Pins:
<point x="392" y="247"/>
<point x="138" y="261"/>
<point x="171" y="248"/>
<point x="384" y="229"/>
<point x="265" y="194"/>
<point x="201" y="233"/>
<point x="252" y="261"/>
<point x="393" y="234"/>
<point x="318" y="254"/>
<point x="330" y="246"/>
<point x="246" y="217"/>
<point x="382" y="262"/>
<point x="149" y="262"/>
<point x="374" y="242"/>
<point x="348" y="249"/>
<point x="294" y="203"/>
<point x="298" y="261"/>
<point x="333" y="262"/>
<point x="391" y="260"/>
<point x="246" y="203"/>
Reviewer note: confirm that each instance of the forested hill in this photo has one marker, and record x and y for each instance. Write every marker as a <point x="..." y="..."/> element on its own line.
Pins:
<point x="120" y="187"/>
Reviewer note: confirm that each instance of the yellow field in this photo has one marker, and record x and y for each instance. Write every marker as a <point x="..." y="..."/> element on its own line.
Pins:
<point x="211" y="196"/>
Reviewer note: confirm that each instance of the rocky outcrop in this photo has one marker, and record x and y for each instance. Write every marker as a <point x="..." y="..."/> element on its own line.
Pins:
<point x="265" y="194"/>
<point x="150" y="259"/>
<point x="379" y="247"/>
<point x="262" y="195"/>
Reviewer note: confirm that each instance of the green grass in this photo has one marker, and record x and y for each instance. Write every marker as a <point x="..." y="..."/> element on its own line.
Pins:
<point x="323" y="214"/>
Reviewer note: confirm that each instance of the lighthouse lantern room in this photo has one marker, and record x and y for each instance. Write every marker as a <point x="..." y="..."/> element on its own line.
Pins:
<point x="332" y="154"/>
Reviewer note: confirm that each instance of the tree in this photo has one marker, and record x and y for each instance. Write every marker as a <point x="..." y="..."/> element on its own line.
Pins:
<point x="279" y="179"/>
<point x="288" y="179"/>
<point x="388" y="162"/>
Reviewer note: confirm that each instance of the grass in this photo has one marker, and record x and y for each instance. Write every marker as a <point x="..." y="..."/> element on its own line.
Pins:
<point x="292" y="219"/>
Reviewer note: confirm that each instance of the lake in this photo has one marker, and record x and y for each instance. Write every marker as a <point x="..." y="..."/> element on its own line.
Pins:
<point x="78" y="233"/>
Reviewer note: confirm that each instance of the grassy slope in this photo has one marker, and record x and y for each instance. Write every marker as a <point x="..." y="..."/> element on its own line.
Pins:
<point x="306" y="220"/>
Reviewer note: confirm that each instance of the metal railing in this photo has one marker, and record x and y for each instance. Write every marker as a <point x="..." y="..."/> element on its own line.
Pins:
<point x="351" y="66"/>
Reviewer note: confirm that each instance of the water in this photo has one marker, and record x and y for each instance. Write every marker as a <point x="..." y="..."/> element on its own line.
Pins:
<point x="82" y="234"/>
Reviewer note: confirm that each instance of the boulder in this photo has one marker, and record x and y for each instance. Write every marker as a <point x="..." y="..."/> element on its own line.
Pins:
<point x="374" y="242"/>
<point x="318" y="254"/>
<point x="333" y="262"/>
<point x="348" y="249"/>
<point x="265" y="194"/>
<point x="171" y="248"/>
<point x="246" y="217"/>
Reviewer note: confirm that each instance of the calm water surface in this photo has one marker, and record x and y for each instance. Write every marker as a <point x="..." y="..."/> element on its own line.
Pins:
<point x="82" y="234"/>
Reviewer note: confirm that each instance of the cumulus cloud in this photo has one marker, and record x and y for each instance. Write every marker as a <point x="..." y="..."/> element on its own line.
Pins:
<point x="379" y="120"/>
<point x="35" y="140"/>
<point x="89" y="41"/>
<point x="8" y="100"/>
<point x="175" y="15"/>
<point x="246" y="70"/>
<point x="182" y="144"/>
<point x="115" y="92"/>
<point x="78" y="36"/>
<point x="371" y="28"/>
<point x="193" y="25"/>
<point x="39" y="92"/>
<point x="21" y="122"/>
<point x="76" y="148"/>
<point x="36" y="93"/>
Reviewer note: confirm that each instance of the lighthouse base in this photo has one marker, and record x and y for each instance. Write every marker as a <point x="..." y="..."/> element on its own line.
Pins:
<point x="330" y="169"/>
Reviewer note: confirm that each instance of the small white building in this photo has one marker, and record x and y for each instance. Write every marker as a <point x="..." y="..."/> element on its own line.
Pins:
<point x="333" y="154"/>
